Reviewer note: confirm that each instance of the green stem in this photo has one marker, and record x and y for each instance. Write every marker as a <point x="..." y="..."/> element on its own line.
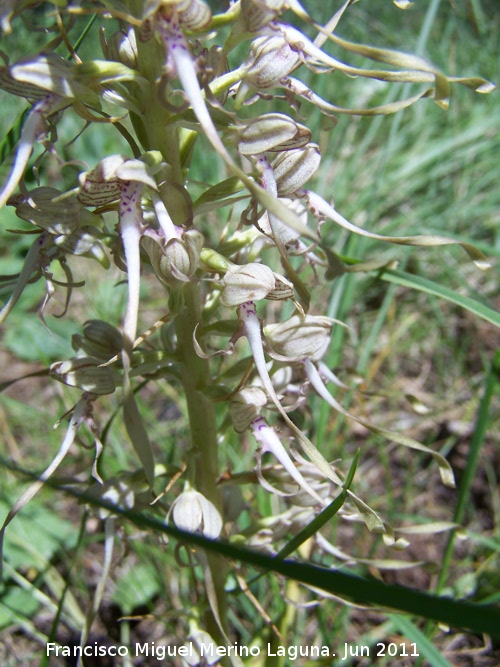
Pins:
<point x="195" y="375"/>
<point x="156" y="132"/>
<point x="203" y="465"/>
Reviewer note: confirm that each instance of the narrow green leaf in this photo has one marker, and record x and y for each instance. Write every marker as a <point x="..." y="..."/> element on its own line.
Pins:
<point x="457" y="613"/>
<point x="323" y="517"/>
<point x="137" y="431"/>
<point x="426" y="648"/>
<point x="429" y="286"/>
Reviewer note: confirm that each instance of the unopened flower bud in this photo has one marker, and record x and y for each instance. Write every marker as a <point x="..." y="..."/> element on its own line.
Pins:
<point x="100" y="340"/>
<point x="215" y="261"/>
<point x="84" y="372"/>
<point x="193" y="512"/>
<point x="256" y="15"/>
<point x="246" y="406"/>
<point x="121" y="47"/>
<point x="177" y="262"/>
<point x="250" y="282"/>
<point x="299" y="337"/>
<point x="292" y="169"/>
<point x="272" y="132"/>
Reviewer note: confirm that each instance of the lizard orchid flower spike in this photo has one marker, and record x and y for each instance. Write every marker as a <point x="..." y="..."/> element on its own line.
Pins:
<point x="251" y="329"/>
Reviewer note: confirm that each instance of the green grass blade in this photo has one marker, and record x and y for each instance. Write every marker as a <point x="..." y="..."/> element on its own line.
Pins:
<point x="475" y="617"/>
<point x="430" y="287"/>
<point x="456" y="613"/>
<point x="426" y="648"/>
<point x="12" y="136"/>
<point x="480" y="430"/>
<point x="322" y="518"/>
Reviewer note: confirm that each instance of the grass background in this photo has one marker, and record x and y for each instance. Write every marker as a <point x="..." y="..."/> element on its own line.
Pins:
<point x="422" y="171"/>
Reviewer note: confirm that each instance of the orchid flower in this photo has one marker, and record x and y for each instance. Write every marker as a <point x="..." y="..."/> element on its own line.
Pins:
<point x="251" y="329"/>
<point x="245" y="410"/>
<point x="305" y="342"/>
<point x="269" y="441"/>
<point x="49" y="81"/>
<point x="179" y="62"/>
<point x="120" y="178"/>
<point x="322" y="210"/>
<point x="193" y="512"/>
<point x="35" y="129"/>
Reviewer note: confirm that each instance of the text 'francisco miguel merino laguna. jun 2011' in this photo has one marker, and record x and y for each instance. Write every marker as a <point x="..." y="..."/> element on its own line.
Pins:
<point x="212" y="651"/>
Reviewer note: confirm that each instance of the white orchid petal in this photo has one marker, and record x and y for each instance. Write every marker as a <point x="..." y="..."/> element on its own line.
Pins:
<point x="131" y="236"/>
<point x="269" y="441"/>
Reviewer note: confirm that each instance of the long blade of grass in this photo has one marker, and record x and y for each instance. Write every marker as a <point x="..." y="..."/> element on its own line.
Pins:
<point x="429" y="286"/>
<point x="482" y="422"/>
<point x="12" y="136"/>
<point x="475" y="617"/>
<point x="323" y="517"/>
<point x="457" y="613"/>
<point x="426" y="648"/>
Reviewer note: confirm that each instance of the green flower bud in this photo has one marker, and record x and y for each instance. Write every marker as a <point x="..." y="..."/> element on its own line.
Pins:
<point x="215" y="261"/>
<point x="299" y="338"/>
